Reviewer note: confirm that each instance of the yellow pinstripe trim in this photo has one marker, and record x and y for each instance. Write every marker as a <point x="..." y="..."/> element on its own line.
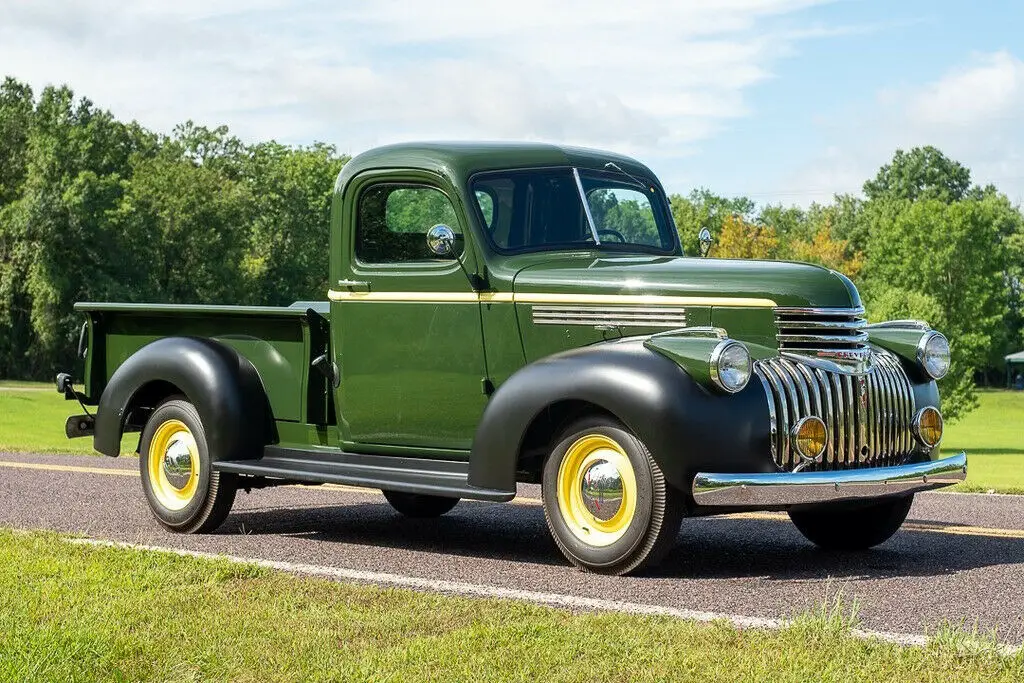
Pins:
<point x="409" y="297"/>
<point x="550" y="298"/>
<point x="640" y="299"/>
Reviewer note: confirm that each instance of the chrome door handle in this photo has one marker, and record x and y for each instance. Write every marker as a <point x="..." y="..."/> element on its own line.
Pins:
<point x="355" y="285"/>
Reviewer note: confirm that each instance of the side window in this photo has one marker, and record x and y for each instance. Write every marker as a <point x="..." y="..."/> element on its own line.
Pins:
<point x="486" y="202"/>
<point x="394" y="220"/>
<point x="494" y="196"/>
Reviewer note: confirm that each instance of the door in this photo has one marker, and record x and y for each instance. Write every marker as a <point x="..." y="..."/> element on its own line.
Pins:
<point x="408" y="333"/>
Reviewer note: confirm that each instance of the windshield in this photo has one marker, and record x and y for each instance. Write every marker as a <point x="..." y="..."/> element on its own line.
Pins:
<point x="541" y="209"/>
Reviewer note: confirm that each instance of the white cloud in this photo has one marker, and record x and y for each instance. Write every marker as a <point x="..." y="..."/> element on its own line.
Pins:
<point x="973" y="113"/>
<point x="990" y="89"/>
<point x="646" y="77"/>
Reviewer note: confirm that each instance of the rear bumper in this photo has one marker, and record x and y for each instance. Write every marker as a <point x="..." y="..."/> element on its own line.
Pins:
<point x="802" y="488"/>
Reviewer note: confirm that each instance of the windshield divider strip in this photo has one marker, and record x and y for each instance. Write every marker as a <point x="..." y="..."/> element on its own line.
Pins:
<point x="586" y="205"/>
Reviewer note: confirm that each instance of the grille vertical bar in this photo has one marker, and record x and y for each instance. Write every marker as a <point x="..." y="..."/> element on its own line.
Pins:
<point x="867" y="417"/>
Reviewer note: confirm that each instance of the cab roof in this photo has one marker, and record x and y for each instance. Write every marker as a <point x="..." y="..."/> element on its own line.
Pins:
<point x="457" y="161"/>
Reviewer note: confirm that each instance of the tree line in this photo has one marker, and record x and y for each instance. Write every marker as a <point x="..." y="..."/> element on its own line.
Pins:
<point x="93" y="208"/>
<point x="96" y="209"/>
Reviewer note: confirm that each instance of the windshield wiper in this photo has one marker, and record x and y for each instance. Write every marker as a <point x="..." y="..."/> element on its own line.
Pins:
<point x="586" y="206"/>
<point x="615" y="167"/>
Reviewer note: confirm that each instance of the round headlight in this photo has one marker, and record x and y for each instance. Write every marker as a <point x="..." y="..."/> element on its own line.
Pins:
<point x="730" y="366"/>
<point x="933" y="355"/>
<point x="810" y="437"/>
<point x="927" y="426"/>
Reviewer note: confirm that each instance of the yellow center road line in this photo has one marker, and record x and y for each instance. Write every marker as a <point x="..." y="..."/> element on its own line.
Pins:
<point x="961" y="530"/>
<point x="70" y="468"/>
<point x="926" y="527"/>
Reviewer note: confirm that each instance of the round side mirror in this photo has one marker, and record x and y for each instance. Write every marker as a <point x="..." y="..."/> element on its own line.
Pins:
<point x="704" y="237"/>
<point x="441" y="240"/>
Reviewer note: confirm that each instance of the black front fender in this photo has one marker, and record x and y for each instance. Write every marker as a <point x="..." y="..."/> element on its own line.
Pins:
<point x="686" y="427"/>
<point x="223" y="385"/>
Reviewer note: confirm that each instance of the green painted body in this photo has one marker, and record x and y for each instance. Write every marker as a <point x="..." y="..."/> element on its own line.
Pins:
<point x="416" y="375"/>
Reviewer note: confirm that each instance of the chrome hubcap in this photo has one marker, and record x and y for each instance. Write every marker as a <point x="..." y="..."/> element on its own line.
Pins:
<point x="178" y="463"/>
<point x="601" y="488"/>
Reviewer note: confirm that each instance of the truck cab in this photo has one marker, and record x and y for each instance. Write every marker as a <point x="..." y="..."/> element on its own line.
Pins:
<point x="499" y="314"/>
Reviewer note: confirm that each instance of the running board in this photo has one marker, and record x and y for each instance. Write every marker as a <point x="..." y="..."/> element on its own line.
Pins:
<point x="448" y="478"/>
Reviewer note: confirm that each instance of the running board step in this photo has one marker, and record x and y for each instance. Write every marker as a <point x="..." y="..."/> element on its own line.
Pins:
<point x="412" y="475"/>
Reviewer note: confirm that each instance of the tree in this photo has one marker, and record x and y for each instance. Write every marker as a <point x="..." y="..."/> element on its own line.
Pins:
<point x="945" y="261"/>
<point x="703" y="209"/>
<point x="921" y="173"/>
<point x="789" y="222"/>
<point x="190" y="221"/>
<point x="16" y="112"/>
<point x="744" y="239"/>
<point x="828" y="251"/>
<point x="56" y="233"/>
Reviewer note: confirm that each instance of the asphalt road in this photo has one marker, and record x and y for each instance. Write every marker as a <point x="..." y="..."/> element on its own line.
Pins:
<point x="959" y="560"/>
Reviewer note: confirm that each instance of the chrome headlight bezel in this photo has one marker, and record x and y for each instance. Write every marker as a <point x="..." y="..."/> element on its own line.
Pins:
<point x="924" y="353"/>
<point x="720" y="376"/>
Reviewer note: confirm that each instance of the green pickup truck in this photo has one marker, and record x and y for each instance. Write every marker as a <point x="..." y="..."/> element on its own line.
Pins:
<point x="505" y="313"/>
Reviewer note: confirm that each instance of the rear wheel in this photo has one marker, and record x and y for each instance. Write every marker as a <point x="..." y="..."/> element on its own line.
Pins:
<point x="183" y="491"/>
<point x="419" y="504"/>
<point x="606" y="501"/>
<point x="853" y="527"/>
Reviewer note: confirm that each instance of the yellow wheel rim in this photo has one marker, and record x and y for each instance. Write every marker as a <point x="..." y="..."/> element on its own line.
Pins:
<point x="596" y="490"/>
<point x="173" y="463"/>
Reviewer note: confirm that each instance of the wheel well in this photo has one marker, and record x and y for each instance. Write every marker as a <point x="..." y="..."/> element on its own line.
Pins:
<point x="145" y="400"/>
<point x="546" y="425"/>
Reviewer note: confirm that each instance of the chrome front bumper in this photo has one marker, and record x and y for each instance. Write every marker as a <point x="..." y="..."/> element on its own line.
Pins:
<point x="800" y="488"/>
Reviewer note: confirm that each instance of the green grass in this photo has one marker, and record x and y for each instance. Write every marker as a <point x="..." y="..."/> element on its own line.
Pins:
<point x="32" y="419"/>
<point x="18" y="384"/>
<point x="992" y="435"/>
<point x="79" y="613"/>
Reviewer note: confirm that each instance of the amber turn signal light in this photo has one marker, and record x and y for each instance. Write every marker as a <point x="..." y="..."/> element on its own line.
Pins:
<point x="810" y="437"/>
<point x="927" y="427"/>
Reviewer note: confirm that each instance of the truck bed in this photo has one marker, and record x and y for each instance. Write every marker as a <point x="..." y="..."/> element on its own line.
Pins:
<point x="280" y="342"/>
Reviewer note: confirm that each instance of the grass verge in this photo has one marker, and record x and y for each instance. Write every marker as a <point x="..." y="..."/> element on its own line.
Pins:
<point x="993" y="436"/>
<point x="32" y="419"/>
<point x="83" y="613"/>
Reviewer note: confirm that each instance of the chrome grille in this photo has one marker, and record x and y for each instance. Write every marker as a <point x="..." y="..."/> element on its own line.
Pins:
<point x="867" y="416"/>
<point x="805" y="329"/>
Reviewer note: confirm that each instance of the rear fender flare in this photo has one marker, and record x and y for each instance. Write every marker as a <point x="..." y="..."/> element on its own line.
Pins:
<point x="222" y="384"/>
<point x="686" y="426"/>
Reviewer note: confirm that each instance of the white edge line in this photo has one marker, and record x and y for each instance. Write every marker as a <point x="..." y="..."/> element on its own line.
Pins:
<point x="498" y="592"/>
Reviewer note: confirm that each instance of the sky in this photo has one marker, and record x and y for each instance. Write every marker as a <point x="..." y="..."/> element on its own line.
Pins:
<point x="784" y="101"/>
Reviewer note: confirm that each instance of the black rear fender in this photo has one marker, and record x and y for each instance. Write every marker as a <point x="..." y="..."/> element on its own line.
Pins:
<point x="687" y="427"/>
<point x="222" y="384"/>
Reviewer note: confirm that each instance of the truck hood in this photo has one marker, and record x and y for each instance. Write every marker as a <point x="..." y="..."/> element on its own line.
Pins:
<point x="785" y="283"/>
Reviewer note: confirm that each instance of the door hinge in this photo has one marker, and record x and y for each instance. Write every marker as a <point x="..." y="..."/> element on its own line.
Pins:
<point x="487" y="386"/>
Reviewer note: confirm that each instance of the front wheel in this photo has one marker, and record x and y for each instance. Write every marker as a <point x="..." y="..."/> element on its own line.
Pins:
<point x="183" y="491"/>
<point x="857" y="527"/>
<point x="606" y="501"/>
